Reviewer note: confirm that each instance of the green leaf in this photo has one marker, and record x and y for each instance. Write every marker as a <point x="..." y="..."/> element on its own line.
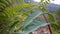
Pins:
<point x="30" y="18"/>
<point x="34" y="26"/>
<point x="51" y="18"/>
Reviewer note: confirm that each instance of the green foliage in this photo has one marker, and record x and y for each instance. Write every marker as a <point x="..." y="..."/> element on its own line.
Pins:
<point x="57" y="15"/>
<point x="56" y="33"/>
<point x="51" y="18"/>
<point x="57" y="12"/>
<point x="14" y="19"/>
<point x="56" y="27"/>
<point x="4" y="4"/>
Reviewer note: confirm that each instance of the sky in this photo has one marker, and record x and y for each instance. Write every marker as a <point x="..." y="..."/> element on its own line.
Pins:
<point x="55" y="1"/>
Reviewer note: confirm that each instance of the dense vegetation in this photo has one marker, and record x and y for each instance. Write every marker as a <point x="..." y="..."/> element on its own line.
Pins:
<point x="16" y="16"/>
